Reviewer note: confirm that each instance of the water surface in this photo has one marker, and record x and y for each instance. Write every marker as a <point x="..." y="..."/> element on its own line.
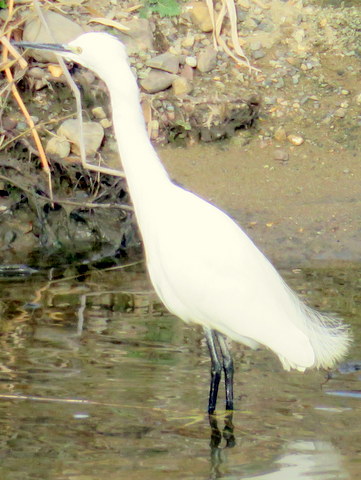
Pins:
<point x="109" y="385"/>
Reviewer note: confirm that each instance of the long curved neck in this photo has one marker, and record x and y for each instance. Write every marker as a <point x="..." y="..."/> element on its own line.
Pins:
<point x="145" y="174"/>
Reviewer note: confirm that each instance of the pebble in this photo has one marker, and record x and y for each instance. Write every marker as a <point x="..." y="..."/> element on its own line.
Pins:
<point x="139" y="37"/>
<point x="106" y="123"/>
<point x="299" y="35"/>
<point x="188" y="41"/>
<point x="166" y="62"/>
<point x="281" y="155"/>
<point x="93" y="135"/>
<point x="255" y="45"/>
<point x="191" y="61"/>
<point x="98" y="112"/>
<point x="181" y="86"/>
<point x="269" y="100"/>
<point x="296" y="140"/>
<point x="244" y="4"/>
<point x="340" y="112"/>
<point x="64" y="30"/>
<point x="8" y="123"/>
<point x="280" y="134"/>
<point x="187" y="72"/>
<point x="257" y="54"/>
<point x="157" y="80"/>
<point x="207" y="59"/>
<point x="199" y="15"/>
<point x="58" y="147"/>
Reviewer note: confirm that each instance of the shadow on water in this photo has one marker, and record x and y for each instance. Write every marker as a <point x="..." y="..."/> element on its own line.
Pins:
<point x="109" y="385"/>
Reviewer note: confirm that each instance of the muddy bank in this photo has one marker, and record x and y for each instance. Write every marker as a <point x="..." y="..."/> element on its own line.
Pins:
<point x="305" y="210"/>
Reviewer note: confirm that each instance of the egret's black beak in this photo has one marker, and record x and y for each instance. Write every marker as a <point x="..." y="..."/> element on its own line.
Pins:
<point x="53" y="47"/>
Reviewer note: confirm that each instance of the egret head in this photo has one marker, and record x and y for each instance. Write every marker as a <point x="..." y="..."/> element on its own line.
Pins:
<point x="94" y="50"/>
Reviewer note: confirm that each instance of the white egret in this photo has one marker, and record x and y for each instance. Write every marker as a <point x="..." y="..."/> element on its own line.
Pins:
<point x="204" y="268"/>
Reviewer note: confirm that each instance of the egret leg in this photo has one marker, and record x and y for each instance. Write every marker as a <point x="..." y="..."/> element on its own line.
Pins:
<point x="227" y="364"/>
<point x="216" y="368"/>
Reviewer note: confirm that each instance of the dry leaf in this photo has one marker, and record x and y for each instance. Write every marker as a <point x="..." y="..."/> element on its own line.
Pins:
<point x="109" y="23"/>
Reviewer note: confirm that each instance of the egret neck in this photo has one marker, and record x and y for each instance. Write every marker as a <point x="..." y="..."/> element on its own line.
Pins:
<point x="145" y="174"/>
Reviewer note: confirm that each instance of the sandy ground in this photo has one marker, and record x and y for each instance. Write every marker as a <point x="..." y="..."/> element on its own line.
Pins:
<point x="306" y="209"/>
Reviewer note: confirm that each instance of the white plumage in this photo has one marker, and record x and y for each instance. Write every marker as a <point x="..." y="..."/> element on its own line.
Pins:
<point x="203" y="266"/>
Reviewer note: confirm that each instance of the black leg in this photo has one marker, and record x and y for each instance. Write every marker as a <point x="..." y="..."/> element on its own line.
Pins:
<point x="227" y="364"/>
<point x="216" y="369"/>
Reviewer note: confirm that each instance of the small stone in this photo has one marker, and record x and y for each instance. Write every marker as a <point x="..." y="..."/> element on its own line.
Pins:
<point x="280" y="134"/>
<point x="93" y="135"/>
<point x="244" y="4"/>
<point x="106" y="123"/>
<point x="199" y="14"/>
<point x="188" y="41"/>
<point x="299" y="35"/>
<point x="340" y="113"/>
<point x="181" y="86"/>
<point x="98" y="112"/>
<point x="58" y="147"/>
<point x="207" y="59"/>
<point x="139" y="37"/>
<point x="8" y="123"/>
<point x="296" y="140"/>
<point x="281" y="156"/>
<point x="269" y="100"/>
<point x="255" y="45"/>
<point x="187" y="72"/>
<point x="156" y="81"/>
<point x="166" y="62"/>
<point x="37" y="73"/>
<point x="257" y="54"/>
<point x="191" y="61"/>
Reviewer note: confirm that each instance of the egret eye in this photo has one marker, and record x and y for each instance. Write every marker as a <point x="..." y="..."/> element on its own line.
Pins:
<point x="77" y="50"/>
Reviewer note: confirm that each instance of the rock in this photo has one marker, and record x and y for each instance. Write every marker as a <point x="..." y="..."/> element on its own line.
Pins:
<point x="166" y="62"/>
<point x="37" y="73"/>
<point x="188" y="41"/>
<point x="139" y="37"/>
<point x="191" y="61"/>
<point x="340" y="112"/>
<point x="281" y="156"/>
<point x="58" y="147"/>
<point x="207" y="59"/>
<point x="93" y="135"/>
<point x="187" y="72"/>
<point x="98" y="112"/>
<point x="299" y="35"/>
<point x="280" y="134"/>
<point x="296" y="140"/>
<point x="8" y="123"/>
<point x="244" y="4"/>
<point x="64" y="30"/>
<point x="156" y="81"/>
<point x="257" y="54"/>
<point x="181" y="86"/>
<point x="255" y="45"/>
<point x="199" y="15"/>
<point x="106" y="123"/>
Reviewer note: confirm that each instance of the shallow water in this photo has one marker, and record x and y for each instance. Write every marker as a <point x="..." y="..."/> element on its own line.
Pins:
<point x="109" y="385"/>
